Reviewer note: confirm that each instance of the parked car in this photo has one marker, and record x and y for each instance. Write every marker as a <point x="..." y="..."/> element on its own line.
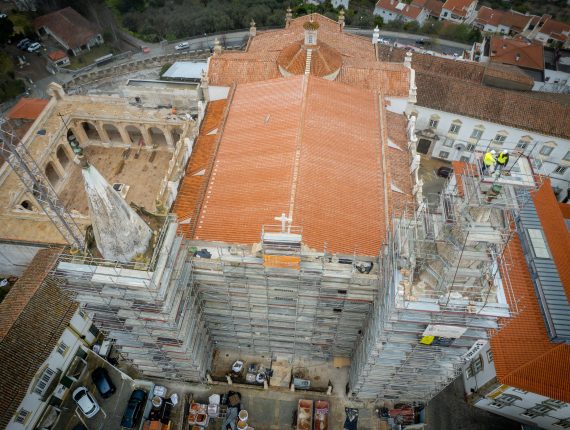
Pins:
<point x="183" y="45"/>
<point x="34" y="47"/>
<point x="134" y="409"/>
<point x="102" y="381"/>
<point x="3" y="15"/>
<point x="444" y="172"/>
<point x="86" y="402"/>
<point x="23" y="44"/>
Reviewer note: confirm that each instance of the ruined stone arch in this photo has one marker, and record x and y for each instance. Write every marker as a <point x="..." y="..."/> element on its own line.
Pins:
<point x="62" y="156"/>
<point x="158" y="136"/>
<point x="113" y="133"/>
<point x="176" y="134"/>
<point x="90" y="130"/>
<point x="51" y="174"/>
<point x="135" y="133"/>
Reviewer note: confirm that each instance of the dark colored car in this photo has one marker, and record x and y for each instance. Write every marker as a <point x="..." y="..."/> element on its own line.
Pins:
<point x="444" y="172"/>
<point x="134" y="409"/>
<point x="102" y="381"/>
<point x="23" y="44"/>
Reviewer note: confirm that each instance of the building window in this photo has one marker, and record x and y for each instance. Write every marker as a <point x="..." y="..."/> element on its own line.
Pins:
<point x="455" y="127"/>
<point x="553" y="403"/>
<point x="443" y="154"/>
<point x="22" y="416"/>
<point x="448" y="142"/>
<point x="538" y="243"/>
<point x="504" y="400"/>
<point x="560" y="170"/>
<point x="500" y="139"/>
<point x="62" y="348"/>
<point x="44" y="381"/>
<point x="490" y="356"/>
<point x="464" y="158"/>
<point x="82" y="314"/>
<point x="477" y="133"/>
<point x="475" y="367"/>
<point x="563" y="424"/>
<point x="470" y="147"/>
<point x="536" y="163"/>
<point x="523" y="143"/>
<point x="529" y="413"/>
<point x="567" y="156"/>
<point x="546" y="150"/>
<point x="94" y="330"/>
<point x="497" y="404"/>
<point x="433" y="123"/>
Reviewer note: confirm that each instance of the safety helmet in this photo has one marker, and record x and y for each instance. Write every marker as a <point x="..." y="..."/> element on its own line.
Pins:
<point x="493" y="151"/>
<point x="505" y="151"/>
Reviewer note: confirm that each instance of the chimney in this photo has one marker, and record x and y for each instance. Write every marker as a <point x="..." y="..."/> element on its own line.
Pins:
<point x="311" y="28"/>
<point x="217" y="47"/>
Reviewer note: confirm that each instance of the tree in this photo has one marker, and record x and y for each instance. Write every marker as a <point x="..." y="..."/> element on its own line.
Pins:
<point x="378" y="22"/>
<point x="6" y="30"/>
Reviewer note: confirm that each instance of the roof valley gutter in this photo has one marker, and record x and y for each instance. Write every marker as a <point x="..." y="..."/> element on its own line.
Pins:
<point x="299" y="144"/>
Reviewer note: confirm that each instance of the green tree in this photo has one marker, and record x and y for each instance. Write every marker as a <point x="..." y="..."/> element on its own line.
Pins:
<point x="378" y="22"/>
<point x="6" y="30"/>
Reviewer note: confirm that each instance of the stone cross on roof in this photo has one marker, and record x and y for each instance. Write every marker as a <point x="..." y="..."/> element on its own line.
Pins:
<point x="284" y="219"/>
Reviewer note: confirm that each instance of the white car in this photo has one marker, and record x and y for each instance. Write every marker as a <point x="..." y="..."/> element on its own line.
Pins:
<point x="86" y="402"/>
<point x="34" y="47"/>
<point x="183" y="45"/>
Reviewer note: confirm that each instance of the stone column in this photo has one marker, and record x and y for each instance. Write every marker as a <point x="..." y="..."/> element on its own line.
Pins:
<point x="147" y="136"/>
<point x="169" y="140"/>
<point x="58" y="168"/>
<point x="103" y="133"/>
<point x="124" y="135"/>
<point x="80" y="134"/>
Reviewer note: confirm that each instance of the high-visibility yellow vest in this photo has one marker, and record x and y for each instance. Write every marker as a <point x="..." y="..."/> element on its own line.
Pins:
<point x="502" y="158"/>
<point x="489" y="160"/>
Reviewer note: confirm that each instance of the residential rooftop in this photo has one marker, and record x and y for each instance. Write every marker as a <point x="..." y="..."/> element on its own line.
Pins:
<point x="517" y="52"/>
<point x="69" y="26"/>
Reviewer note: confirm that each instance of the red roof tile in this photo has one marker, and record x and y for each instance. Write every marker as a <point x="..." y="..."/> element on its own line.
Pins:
<point x="57" y="55"/>
<point x="69" y="26"/>
<point x="284" y="149"/>
<point x="268" y="49"/>
<point x="517" y="52"/>
<point x="195" y="179"/>
<point x="458" y="7"/>
<point x="523" y="354"/>
<point x="27" y="109"/>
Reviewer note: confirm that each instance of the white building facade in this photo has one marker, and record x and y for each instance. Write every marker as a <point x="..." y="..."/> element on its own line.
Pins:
<point x="454" y="137"/>
<point x="479" y="377"/>
<point x="64" y="365"/>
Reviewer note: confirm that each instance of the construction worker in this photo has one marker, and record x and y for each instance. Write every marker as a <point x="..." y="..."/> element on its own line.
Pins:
<point x="503" y="159"/>
<point x="489" y="161"/>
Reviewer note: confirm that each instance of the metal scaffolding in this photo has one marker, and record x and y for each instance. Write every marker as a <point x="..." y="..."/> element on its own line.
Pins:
<point x="149" y="309"/>
<point x="283" y="298"/>
<point x="445" y="285"/>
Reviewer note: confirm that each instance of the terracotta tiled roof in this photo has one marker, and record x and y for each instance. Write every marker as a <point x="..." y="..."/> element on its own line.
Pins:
<point x="489" y="16"/>
<point x="554" y="27"/>
<point x="433" y="6"/>
<point x="517" y="52"/>
<point x="410" y="11"/>
<point x="466" y="70"/>
<point x="458" y="7"/>
<point x="523" y="354"/>
<point x="57" y="55"/>
<point x="565" y="209"/>
<point x="515" y="20"/>
<point x="69" y="26"/>
<point x="198" y="169"/>
<point x="510" y="108"/>
<point x="305" y="146"/>
<point x="32" y="318"/>
<point x="324" y="60"/>
<point x="27" y="109"/>
<point x="356" y="53"/>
